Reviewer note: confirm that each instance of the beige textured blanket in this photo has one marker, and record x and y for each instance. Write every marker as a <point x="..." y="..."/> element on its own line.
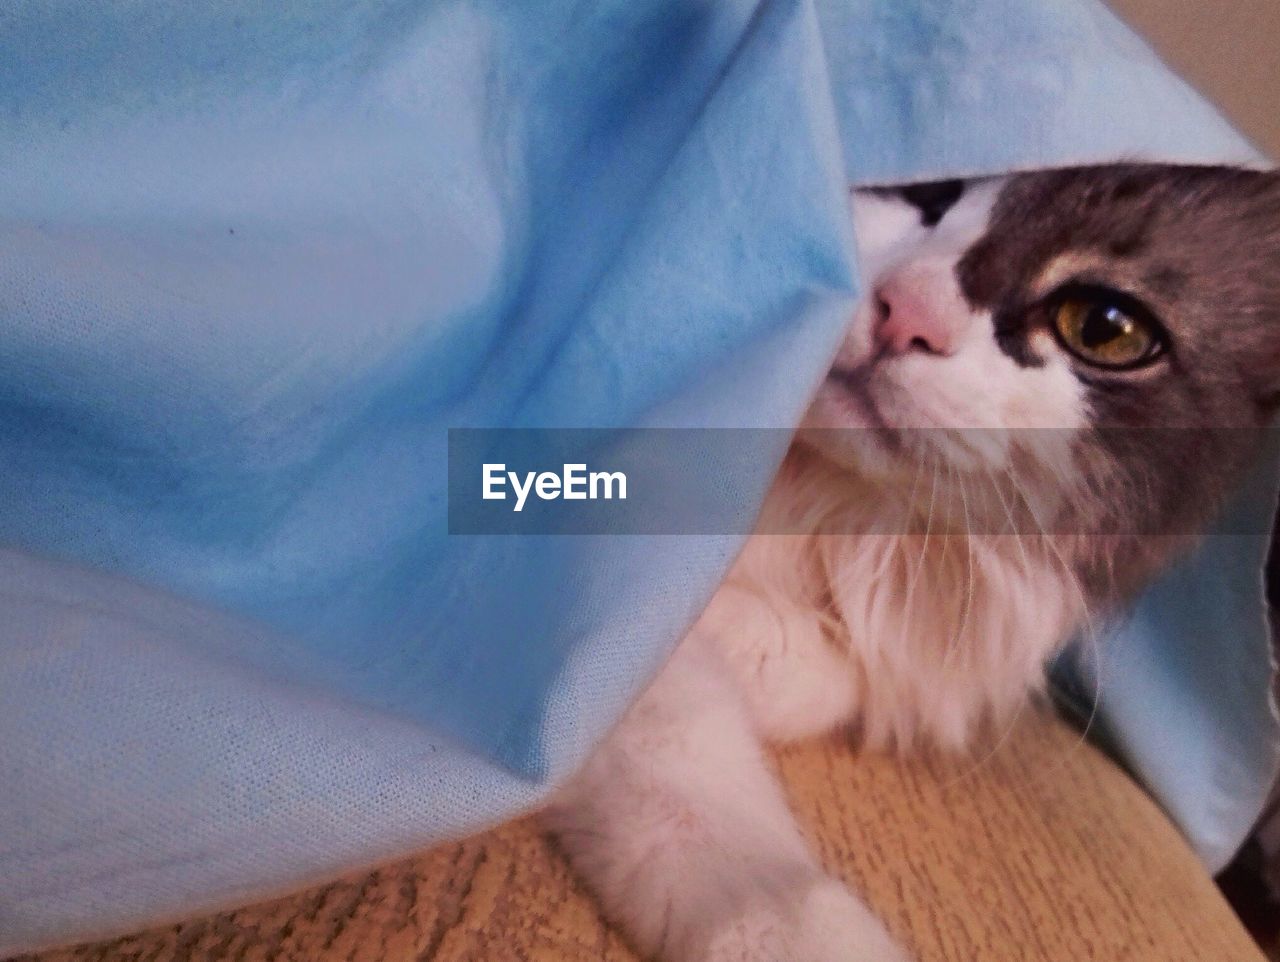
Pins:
<point x="1036" y="849"/>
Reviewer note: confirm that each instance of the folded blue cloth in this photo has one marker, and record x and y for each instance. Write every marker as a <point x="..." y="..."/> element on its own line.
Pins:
<point x="256" y="259"/>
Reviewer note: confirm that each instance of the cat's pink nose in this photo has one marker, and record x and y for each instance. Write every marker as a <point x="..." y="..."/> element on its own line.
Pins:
<point x="920" y="309"/>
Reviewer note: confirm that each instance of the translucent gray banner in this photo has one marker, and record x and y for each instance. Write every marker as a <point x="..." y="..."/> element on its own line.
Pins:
<point x="1103" y="482"/>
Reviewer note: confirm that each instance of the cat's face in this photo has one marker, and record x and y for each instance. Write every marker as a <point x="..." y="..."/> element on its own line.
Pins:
<point x="1075" y="329"/>
<point x="921" y="370"/>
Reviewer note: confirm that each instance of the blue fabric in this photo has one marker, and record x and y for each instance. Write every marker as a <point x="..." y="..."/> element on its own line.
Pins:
<point x="256" y="259"/>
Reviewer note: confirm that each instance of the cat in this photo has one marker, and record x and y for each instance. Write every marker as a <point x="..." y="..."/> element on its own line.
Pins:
<point x="1049" y="386"/>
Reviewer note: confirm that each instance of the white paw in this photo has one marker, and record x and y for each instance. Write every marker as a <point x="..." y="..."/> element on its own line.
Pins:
<point x="825" y="924"/>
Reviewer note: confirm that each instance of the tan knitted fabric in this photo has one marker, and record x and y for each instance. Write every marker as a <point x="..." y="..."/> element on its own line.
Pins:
<point x="1037" y="849"/>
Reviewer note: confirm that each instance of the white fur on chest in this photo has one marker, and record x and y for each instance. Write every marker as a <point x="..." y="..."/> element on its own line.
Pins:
<point x="906" y="635"/>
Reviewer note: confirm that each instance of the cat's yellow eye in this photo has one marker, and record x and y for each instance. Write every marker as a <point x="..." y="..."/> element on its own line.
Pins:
<point x="1105" y="332"/>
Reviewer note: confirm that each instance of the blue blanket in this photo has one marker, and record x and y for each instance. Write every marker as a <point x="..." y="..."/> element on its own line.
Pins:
<point x="257" y="258"/>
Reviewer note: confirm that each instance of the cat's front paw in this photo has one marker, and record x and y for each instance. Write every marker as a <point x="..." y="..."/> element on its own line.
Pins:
<point x="825" y="924"/>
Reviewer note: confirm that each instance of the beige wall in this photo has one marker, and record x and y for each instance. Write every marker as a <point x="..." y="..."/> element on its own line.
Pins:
<point x="1229" y="49"/>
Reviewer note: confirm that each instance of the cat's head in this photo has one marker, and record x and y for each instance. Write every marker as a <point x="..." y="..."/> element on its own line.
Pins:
<point x="1102" y="342"/>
